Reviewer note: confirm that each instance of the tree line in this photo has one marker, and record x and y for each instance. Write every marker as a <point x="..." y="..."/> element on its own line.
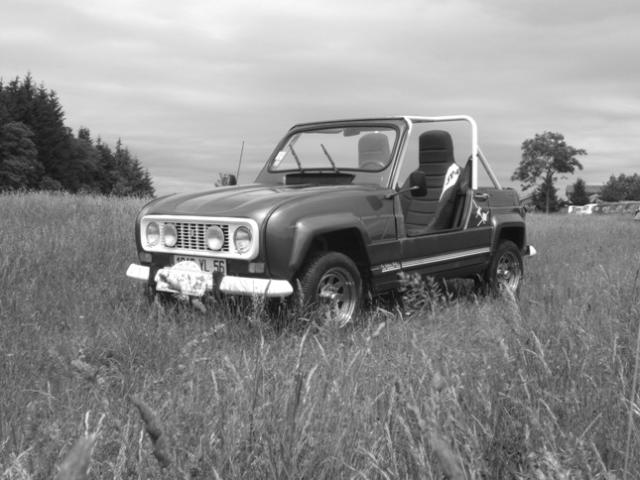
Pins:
<point x="38" y="152"/>
<point x="547" y="155"/>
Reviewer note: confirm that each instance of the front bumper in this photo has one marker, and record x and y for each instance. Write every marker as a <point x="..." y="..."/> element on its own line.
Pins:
<point x="189" y="280"/>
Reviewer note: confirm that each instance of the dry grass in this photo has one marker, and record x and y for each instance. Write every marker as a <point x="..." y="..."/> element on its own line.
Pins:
<point x="545" y="387"/>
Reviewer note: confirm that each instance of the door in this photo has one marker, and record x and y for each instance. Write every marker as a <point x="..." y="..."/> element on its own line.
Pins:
<point x="461" y="251"/>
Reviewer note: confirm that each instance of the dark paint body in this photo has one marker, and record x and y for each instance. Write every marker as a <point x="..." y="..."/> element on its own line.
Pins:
<point x="365" y="221"/>
<point x="291" y="219"/>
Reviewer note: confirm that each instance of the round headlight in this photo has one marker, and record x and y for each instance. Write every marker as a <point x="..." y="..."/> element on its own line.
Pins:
<point x="169" y="235"/>
<point x="242" y="239"/>
<point x="152" y="233"/>
<point x="215" y="238"/>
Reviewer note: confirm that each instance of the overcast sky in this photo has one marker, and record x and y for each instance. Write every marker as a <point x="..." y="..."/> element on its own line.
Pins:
<point x="184" y="83"/>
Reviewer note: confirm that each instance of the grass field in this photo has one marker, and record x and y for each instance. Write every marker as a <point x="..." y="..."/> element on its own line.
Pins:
<point x="542" y="388"/>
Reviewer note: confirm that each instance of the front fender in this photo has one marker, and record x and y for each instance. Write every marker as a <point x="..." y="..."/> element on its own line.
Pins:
<point x="311" y="227"/>
<point x="287" y="259"/>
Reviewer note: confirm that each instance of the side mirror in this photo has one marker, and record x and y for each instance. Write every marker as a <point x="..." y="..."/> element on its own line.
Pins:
<point x="418" y="184"/>
<point x="226" y="179"/>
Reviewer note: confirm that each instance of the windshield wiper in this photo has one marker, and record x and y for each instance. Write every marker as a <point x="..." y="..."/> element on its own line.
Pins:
<point x="335" y="169"/>
<point x="295" y="155"/>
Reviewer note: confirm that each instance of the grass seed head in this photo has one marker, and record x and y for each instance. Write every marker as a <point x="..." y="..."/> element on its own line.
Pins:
<point x="75" y="466"/>
<point x="152" y="425"/>
<point x="446" y="457"/>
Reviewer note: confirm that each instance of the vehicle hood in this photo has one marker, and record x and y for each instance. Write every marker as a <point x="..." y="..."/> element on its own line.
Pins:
<point x="250" y="201"/>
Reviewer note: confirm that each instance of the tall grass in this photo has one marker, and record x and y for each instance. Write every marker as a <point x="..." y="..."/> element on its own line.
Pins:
<point x="542" y="387"/>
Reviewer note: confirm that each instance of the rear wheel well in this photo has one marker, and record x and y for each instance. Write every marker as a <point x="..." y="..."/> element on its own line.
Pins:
<point x="515" y="234"/>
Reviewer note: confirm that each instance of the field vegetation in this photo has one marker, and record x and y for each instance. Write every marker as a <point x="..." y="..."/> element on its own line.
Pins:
<point x="97" y="382"/>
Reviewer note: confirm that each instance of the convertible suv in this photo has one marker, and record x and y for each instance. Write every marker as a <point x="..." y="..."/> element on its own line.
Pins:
<point x="341" y="209"/>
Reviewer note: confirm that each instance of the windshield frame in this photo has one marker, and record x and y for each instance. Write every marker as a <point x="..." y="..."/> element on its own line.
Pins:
<point x="381" y="177"/>
<point x="404" y="125"/>
<point x="294" y="135"/>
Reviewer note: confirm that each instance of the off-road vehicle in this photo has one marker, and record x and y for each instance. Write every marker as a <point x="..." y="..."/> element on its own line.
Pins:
<point x="341" y="209"/>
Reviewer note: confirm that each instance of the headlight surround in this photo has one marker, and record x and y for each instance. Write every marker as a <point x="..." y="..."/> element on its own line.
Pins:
<point x="214" y="238"/>
<point x="242" y="239"/>
<point x="231" y="238"/>
<point x="169" y="235"/>
<point x="152" y="234"/>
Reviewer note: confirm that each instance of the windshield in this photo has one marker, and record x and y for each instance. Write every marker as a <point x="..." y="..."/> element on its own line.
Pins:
<point x="364" y="149"/>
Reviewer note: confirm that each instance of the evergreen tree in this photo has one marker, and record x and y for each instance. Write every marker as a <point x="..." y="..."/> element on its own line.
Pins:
<point x="54" y="140"/>
<point x="106" y="166"/>
<point x="19" y="166"/>
<point x="41" y="112"/>
<point x="545" y="197"/>
<point x="579" y="195"/>
<point x="81" y="170"/>
<point x="130" y="178"/>
<point x="39" y="151"/>
<point x="85" y="134"/>
<point x="4" y="111"/>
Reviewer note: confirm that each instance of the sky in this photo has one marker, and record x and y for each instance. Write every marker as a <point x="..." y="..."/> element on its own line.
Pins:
<point x="184" y="84"/>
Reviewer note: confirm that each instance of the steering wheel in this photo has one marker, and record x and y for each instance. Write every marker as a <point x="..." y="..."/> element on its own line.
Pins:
<point x="371" y="165"/>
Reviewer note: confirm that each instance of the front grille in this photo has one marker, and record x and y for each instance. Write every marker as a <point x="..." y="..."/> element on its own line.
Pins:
<point x="191" y="235"/>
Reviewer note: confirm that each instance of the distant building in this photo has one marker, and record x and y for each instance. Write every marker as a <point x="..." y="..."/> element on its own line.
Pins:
<point x="592" y="191"/>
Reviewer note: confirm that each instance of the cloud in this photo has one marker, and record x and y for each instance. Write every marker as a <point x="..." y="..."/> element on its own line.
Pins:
<point x="184" y="84"/>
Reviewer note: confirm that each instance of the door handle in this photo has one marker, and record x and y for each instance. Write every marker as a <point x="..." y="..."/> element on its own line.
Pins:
<point x="481" y="196"/>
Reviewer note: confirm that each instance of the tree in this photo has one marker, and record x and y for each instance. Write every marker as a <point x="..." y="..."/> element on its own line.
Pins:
<point x="543" y="158"/>
<point x="81" y="167"/>
<point x="41" y="111"/>
<point x="37" y="150"/>
<point x="624" y="187"/>
<point x="130" y="178"/>
<point x="19" y="166"/>
<point x="545" y="197"/>
<point x="579" y="195"/>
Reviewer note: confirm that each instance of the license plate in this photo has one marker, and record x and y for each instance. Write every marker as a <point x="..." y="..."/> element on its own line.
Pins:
<point x="211" y="265"/>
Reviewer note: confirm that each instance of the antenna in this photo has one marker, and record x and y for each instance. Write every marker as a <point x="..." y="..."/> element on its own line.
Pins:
<point x="240" y="161"/>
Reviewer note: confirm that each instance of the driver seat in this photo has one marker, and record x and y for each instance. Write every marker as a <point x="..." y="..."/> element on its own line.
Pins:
<point x="436" y="161"/>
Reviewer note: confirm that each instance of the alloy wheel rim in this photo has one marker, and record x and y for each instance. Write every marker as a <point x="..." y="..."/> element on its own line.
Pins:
<point x="509" y="273"/>
<point x="337" y="291"/>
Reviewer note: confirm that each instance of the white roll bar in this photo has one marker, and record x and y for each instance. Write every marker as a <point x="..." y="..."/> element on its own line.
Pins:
<point x="475" y="150"/>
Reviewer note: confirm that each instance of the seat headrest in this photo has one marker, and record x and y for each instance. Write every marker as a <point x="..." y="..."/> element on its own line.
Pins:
<point x="373" y="148"/>
<point x="436" y="147"/>
<point x="437" y="140"/>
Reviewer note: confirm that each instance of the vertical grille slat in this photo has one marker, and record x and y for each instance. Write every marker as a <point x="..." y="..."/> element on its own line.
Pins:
<point x="191" y="236"/>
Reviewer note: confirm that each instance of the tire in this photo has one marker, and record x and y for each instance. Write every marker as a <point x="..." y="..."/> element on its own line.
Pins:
<point x="332" y="281"/>
<point x="506" y="269"/>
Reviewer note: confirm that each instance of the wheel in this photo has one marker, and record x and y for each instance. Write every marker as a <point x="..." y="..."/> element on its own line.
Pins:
<point x="332" y="281"/>
<point x="505" y="270"/>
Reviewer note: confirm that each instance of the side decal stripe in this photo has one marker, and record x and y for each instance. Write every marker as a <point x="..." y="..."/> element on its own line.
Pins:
<point x="393" y="266"/>
<point x="444" y="258"/>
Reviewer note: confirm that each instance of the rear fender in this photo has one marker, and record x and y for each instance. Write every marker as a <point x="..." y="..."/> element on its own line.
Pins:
<point x="509" y="227"/>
